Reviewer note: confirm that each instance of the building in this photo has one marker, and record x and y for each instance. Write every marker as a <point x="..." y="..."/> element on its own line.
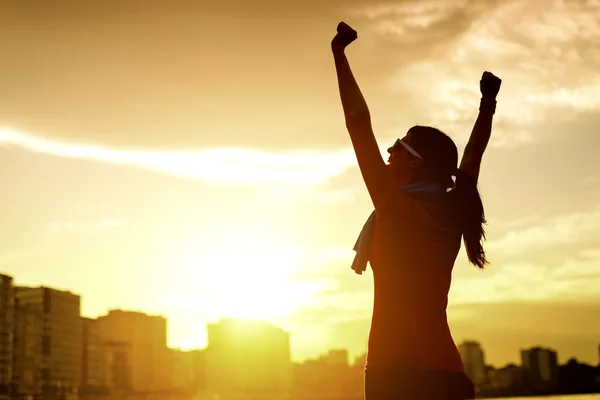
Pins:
<point x="357" y="376"/>
<point x="6" y="334"/>
<point x="95" y="372"/>
<point x="506" y="377"/>
<point x="118" y="362"/>
<point x="540" y="368"/>
<point x="473" y="359"/>
<point x="248" y="358"/>
<point x="61" y="339"/>
<point x="330" y="376"/>
<point x="27" y="351"/>
<point x="336" y="357"/>
<point x="27" y="356"/>
<point x="185" y="370"/>
<point x="148" y="355"/>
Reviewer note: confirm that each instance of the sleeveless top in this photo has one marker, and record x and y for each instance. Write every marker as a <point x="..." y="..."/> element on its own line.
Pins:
<point x="415" y="243"/>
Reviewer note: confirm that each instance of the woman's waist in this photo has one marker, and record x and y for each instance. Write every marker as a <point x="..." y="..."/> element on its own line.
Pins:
<point x="411" y="332"/>
<point x="405" y="303"/>
<point x="430" y="353"/>
<point x="413" y="341"/>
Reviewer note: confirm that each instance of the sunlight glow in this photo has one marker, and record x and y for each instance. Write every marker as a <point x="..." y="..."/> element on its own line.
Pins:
<point x="252" y="278"/>
<point x="237" y="165"/>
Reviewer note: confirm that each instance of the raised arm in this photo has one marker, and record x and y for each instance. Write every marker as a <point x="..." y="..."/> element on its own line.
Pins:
<point x="378" y="179"/>
<point x="482" y="130"/>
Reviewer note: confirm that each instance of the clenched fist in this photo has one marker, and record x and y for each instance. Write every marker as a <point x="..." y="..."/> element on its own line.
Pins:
<point x="489" y="85"/>
<point x="345" y="35"/>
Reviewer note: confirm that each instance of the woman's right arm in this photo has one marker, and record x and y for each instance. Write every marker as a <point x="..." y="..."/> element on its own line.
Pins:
<point x="482" y="130"/>
<point x="377" y="176"/>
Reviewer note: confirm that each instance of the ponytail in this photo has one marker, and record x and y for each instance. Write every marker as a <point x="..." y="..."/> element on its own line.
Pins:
<point x="472" y="216"/>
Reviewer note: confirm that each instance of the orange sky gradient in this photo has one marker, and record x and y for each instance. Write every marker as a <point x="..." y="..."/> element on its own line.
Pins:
<point x="191" y="160"/>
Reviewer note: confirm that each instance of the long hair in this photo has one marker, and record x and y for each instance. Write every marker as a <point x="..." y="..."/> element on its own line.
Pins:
<point x="440" y="158"/>
<point x="473" y="218"/>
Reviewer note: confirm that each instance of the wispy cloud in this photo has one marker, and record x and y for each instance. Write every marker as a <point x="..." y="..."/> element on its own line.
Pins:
<point x="554" y="258"/>
<point x="547" y="53"/>
<point x="58" y="227"/>
<point x="589" y="180"/>
<point x="576" y="278"/>
<point x="237" y="165"/>
<point x="292" y="196"/>
<point x="564" y="229"/>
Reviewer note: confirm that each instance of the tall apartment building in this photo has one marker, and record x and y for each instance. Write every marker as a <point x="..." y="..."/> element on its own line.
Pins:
<point x="473" y="359"/>
<point x="61" y="339"/>
<point x="540" y="367"/>
<point x="6" y="334"/>
<point x="329" y="375"/>
<point x="189" y="369"/>
<point x="248" y="358"/>
<point x="95" y="369"/>
<point x="118" y="379"/>
<point x="147" y="356"/>
<point x="183" y="363"/>
<point x="27" y="352"/>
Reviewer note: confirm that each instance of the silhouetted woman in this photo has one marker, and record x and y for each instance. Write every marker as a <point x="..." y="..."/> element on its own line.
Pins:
<point x="412" y="240"/>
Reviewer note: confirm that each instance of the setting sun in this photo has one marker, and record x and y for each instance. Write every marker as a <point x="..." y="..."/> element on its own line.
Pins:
<point x="252" y="278"/>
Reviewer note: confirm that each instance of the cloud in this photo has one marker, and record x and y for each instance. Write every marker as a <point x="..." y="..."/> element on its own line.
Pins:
<point x="58" y="227"/>
<point x="531" y="281"/>
<point x="573" y="228"/>
<point x="292" y="196"/>
<point x="547" y="54"/>
<point x="230" y="165"/>
<point x="555" y="258"/>
<point x="589" y="180"/>
<point x="413" y="19"/>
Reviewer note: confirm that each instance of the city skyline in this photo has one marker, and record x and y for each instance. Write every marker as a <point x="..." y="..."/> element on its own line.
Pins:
<point x="191" y="160"/>
<point x="55" y="352"/>
<point x="468" y="347"/>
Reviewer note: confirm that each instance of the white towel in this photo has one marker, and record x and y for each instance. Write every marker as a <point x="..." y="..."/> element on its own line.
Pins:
<point x="363" y="245"/>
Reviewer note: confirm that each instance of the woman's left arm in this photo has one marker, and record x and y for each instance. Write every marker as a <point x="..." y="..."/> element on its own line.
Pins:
<point x="482" y="130"/>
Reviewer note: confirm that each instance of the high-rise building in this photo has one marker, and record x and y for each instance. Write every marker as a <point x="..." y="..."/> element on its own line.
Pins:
<point x="95" y="371"/>
<point x="248" y="358"/>
<point x="27" y="356"/>
<point x="119" y="367"/>
<point x="6" y="334"/>
<point x="540" y="368"/>
<point x="189" y="370"/>
<point x="473" y="359"/>
<point x="505" y="377"/>
<point x="338" y="357"/>
<point x="184" y="369"/>
<point x="61" y="339"/>
<point x="148" y="353"/>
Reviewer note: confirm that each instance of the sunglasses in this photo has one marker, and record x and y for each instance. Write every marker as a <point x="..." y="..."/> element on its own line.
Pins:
<point x="400" y="143"/>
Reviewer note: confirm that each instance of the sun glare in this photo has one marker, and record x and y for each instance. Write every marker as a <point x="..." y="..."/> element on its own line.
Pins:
<point x="253" y="279"/>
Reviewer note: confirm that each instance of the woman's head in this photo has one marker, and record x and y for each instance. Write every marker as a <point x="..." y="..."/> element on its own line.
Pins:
<point x="425" y="153"/>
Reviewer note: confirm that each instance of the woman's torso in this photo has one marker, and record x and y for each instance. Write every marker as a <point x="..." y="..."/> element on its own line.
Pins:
<point x="412" y="257"/>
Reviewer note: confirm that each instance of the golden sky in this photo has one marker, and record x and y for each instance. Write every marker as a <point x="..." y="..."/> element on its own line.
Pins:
<point x="191" y="159"/>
